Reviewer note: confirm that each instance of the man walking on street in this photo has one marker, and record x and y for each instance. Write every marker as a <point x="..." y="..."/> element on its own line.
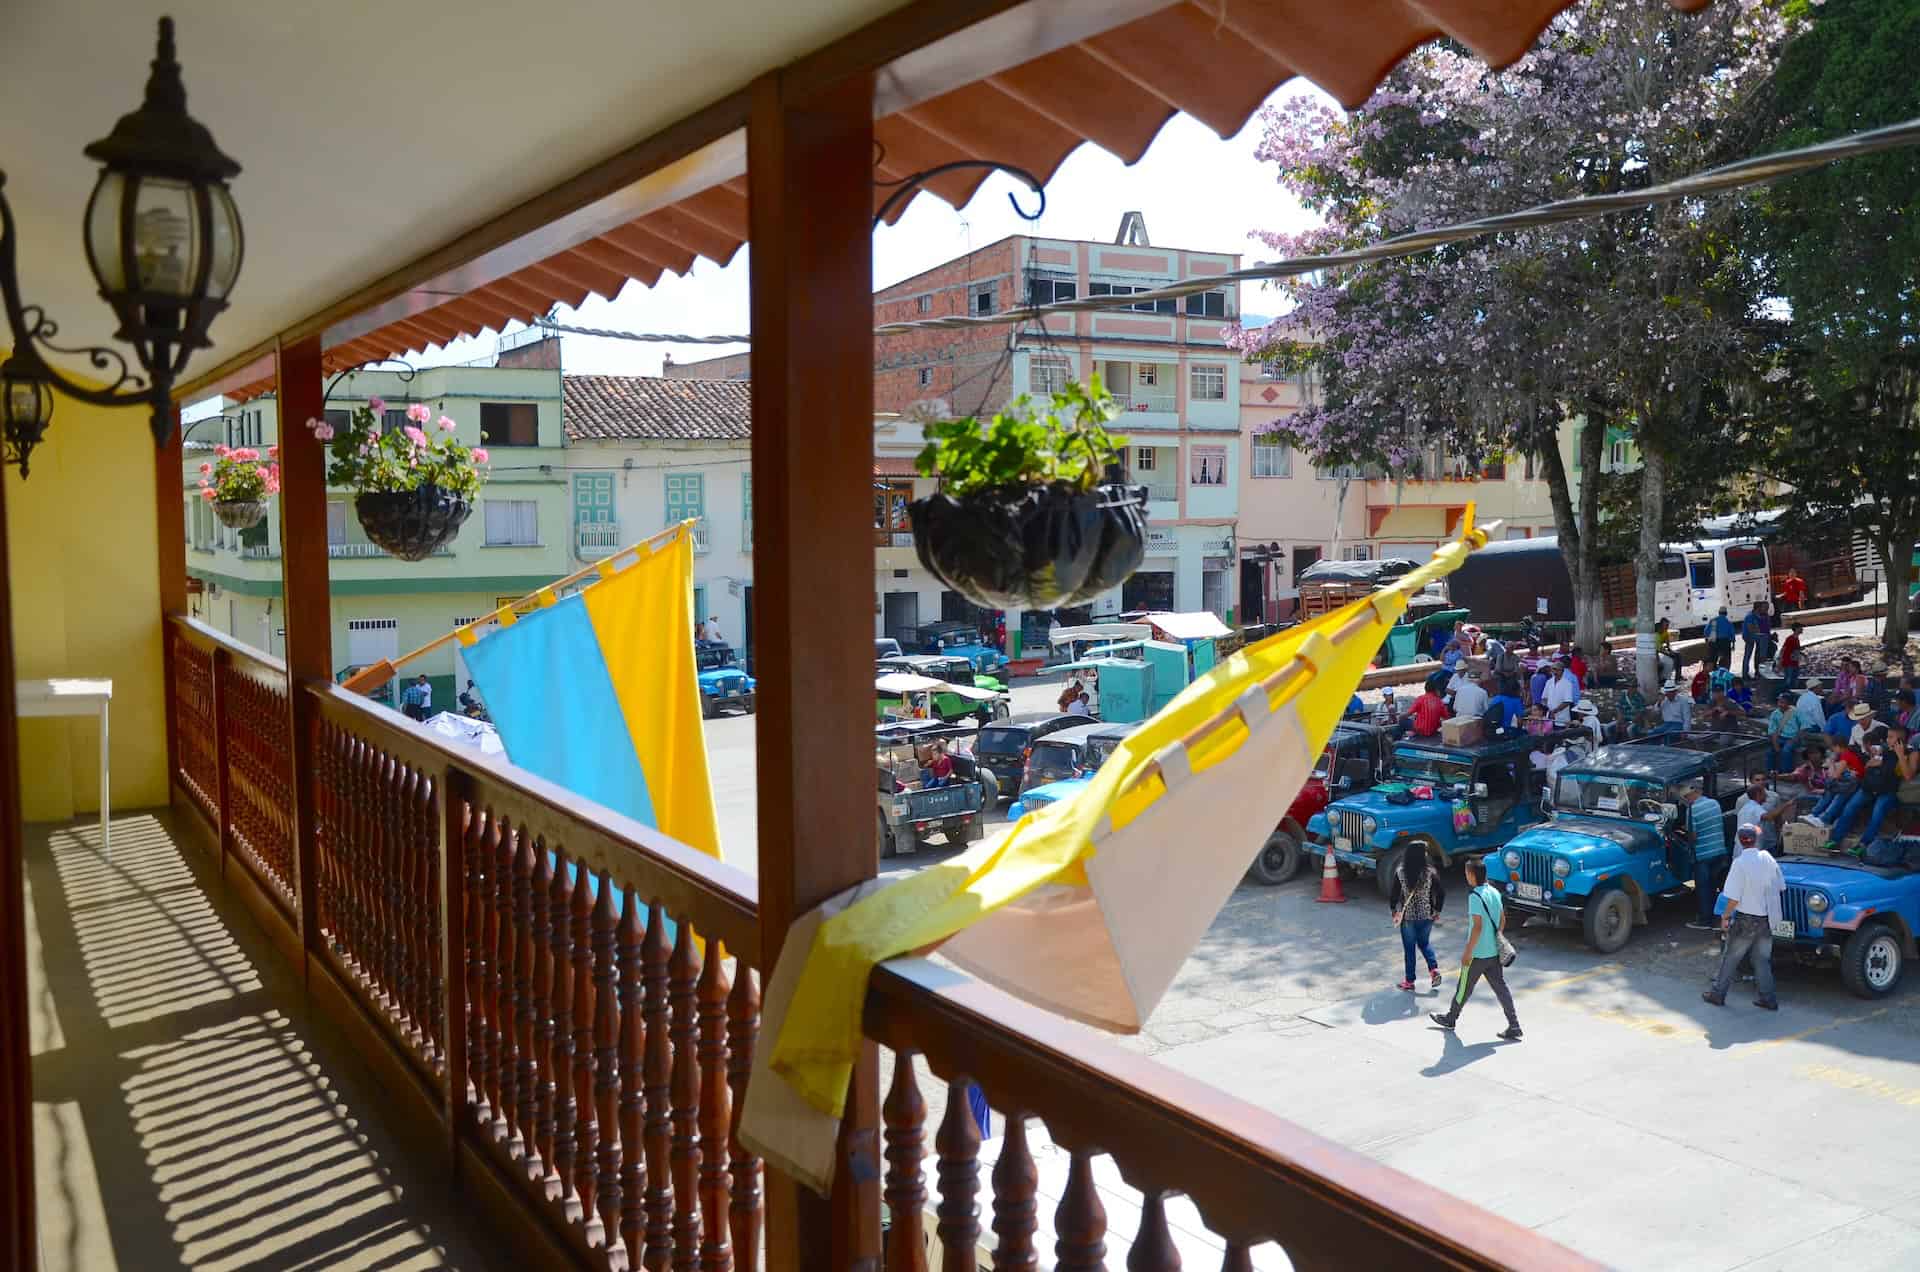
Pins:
<point x="1486" y="915"/>
<point x="1720" y="639"/>
<point x="1756" y="637"/>
<point x="1753" y="891"/>
<point x="1789" y="663"/>
<point x="1707" y="828"/>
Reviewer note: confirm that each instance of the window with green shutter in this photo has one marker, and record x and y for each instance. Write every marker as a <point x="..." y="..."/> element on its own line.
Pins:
<point x="686" y="496"/>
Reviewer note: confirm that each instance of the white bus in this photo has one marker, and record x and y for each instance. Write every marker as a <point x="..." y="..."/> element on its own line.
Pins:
<point x="1729" y="572"/>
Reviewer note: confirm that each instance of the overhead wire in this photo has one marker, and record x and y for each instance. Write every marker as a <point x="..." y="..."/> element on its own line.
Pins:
<point x="1757" y="170"/>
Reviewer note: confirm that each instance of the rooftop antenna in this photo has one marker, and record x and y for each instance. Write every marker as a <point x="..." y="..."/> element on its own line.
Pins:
<point x="1133" y="231"/>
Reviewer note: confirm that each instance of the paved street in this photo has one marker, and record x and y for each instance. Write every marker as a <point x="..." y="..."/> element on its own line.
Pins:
<point x="1634" y="1123"/>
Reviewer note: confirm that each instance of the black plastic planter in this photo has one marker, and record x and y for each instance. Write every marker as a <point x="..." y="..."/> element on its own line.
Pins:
<point x="240" y="514"/>
<point x="411" y="523"/>
<point x="1033" y="547"/>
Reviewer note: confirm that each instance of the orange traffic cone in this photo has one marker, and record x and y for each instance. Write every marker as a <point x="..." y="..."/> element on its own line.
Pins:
<point x="1330" y="889"/>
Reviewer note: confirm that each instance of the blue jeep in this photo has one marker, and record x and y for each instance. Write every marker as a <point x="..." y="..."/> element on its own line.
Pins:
<point x="723" y="686"/>
<point x="1060" y="764"/>
<point x="1614" y="844"/>
<point x="1481" y="796"/>
<point x="959" y="639"/>
<point x="1839" y="908"/>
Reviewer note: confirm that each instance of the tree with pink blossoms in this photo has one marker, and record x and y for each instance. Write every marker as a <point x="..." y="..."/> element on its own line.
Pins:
<point x="1630" y="323"/>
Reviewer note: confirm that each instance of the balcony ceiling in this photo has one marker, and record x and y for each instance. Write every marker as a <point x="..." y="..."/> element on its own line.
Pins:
<point x="373" y="134"/>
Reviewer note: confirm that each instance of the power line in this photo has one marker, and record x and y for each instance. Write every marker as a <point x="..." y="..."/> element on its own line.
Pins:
<point x="1758" y="170"/>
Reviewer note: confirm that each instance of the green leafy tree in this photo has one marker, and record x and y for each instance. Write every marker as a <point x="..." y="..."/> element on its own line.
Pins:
<point x="1836" y="407"/>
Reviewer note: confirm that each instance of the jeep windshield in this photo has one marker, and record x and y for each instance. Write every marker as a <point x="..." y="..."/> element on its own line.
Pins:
<point x="1598" y="796"/>
<point x="1094" y="752"/>
<point x="1051" y="762"/>
<point x="1431" y="766"/>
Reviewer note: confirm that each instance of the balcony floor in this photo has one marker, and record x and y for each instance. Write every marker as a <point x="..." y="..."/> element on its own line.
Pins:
<point x="189" y="1112"/>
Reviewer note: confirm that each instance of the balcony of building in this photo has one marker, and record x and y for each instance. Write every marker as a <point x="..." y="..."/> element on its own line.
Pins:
<point x="593" y="540"/>
<point x="354" y="995"/>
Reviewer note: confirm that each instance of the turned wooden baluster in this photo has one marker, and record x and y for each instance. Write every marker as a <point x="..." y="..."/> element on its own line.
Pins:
<point x="422" y="911"/>
<point x="716" y="1112"/>
<point x="325" y="810"/>
<point x="560" y="1070"/>
<point x="505" y="953"/>
<point x="399" y="934"/>
<point x="683" y="975"/>
<point x="526" y="1076"/>
<point x="436" y="986"/>
<point x="743" y="1027"/>
<point x="1080" y="1221"/>
<point x="656" y="1079"/>
<point x="541" y="929"/>
<point x="588" y="1139"/>
<point x="905" y="1190"/>
<point x="1015" y="1214"/>
<point x="385" y="949"/>
<point x="606" y="1058"/>
<point x="353" y="850"/>
<point x="633" y="1100"/>
<point x="1239" y="1258"/>
<point x="474" y="839"/>
<point x="360" y="853"/>
<point x="1153" y="1249"/>
<point x="958" y="1145"/>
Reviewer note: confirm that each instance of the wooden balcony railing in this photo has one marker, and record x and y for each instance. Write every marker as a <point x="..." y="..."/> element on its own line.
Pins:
<point x="566" y="1004"/>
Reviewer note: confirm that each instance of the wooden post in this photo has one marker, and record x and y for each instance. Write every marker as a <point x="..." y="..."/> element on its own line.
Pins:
<point x="171" y="525"/>
<point x="810" y="197"/>
<point x="19" y="1245"/>
<point x="304" y="589"/>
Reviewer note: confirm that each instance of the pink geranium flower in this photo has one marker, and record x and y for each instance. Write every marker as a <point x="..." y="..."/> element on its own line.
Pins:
<point x="419" y="413"/>
<point x="323" y="431"/>
<point x="222" y="451"/>
<point x="206" y="468"/>
<point x="273" y="452"/>
<point x="376" y="404"/>
<point x="446" y="424"/>
<point x="209" y="494"/>
<point x="479" y="455"/>
<point x="415" y="436"/>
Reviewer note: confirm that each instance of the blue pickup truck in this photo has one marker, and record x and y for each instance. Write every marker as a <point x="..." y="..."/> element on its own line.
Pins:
<point x="1839" y="909"/>
<point x="1615" y="842"/>
<point x="1478" y="797"/>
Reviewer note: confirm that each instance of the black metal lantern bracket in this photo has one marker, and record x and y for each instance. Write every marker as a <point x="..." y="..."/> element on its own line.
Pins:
<point x="166" y="265"/>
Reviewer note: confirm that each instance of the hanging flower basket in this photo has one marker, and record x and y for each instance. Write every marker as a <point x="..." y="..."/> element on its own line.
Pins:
<point x="1032" y="547"/>
<point x="410" y="524"/>
<point x="240" y="514"/>
<point x="1023" y="517"/>
<point x="413" y="486"/>
<point x="237" y="482"/>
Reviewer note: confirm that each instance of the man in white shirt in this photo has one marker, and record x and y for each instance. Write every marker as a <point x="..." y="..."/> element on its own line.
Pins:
<point x="1470" y="698"/>
<point x="1812" y="712"/>
<point x="713" y="630"/>
<point x="1562" y="692"/>
<point x="1675" y="709"/>
<point x="1752" y="893"/>
<point x="1761" y="809"/>
<point x="1587" y="716"/>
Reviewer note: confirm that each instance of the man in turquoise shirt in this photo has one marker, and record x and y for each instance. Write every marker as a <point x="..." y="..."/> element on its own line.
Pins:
<point x="1486" y="916"/>
<point x="1707" y="827"/>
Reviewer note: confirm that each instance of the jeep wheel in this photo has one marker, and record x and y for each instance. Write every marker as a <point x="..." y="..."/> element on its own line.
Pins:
<point x="1277" y="861"/>
<point x="885" y="839"/>
<point x="1383" y="868"/>
<point x="989" y="791"/>
<point x="707" y="709"/>
<point x="1608" y="920"/>
<point x="1872" y="962"/>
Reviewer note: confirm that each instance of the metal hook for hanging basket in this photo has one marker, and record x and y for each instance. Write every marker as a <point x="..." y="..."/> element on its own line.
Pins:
<point x="908" y="185"/>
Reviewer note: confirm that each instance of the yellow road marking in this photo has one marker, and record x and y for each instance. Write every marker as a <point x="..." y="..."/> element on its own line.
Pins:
<point x="1564" y="981"/>
<point x="1808" y="1033"/>
<point x="1650" y="1025"/>
<point x="1847" y="1079"/>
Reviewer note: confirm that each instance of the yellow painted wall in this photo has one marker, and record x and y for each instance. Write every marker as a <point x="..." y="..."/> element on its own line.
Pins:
<point x="83" y="561"/>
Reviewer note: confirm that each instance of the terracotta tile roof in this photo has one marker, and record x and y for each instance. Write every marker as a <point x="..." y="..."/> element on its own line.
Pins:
<point x="646" y="407"/>
<point x="894" y="466"/>
<point x="1217" y="60"/>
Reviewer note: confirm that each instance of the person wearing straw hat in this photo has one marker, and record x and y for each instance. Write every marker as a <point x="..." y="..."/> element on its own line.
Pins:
<point x="1676" y="710"/>
<point x="1861" y="716"/>
<point x="1587" y="716"/>
<point x="1752" y="889"/>
<point x="1813" y="714"/>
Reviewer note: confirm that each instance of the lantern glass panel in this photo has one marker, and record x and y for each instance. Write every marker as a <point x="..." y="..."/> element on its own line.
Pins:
<point x="227" y="242"/>
<point x="103" y="231"/>
<point x="166" y="237"/>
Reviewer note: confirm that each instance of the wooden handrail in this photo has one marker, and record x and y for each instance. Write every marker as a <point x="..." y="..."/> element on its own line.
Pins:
<point x="209" y="638"/>
<point x="718" y="899"/>
<point x="1254" y="1176"/>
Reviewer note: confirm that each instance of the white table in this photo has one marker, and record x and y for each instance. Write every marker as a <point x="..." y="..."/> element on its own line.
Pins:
<point x="73" y="698"/>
